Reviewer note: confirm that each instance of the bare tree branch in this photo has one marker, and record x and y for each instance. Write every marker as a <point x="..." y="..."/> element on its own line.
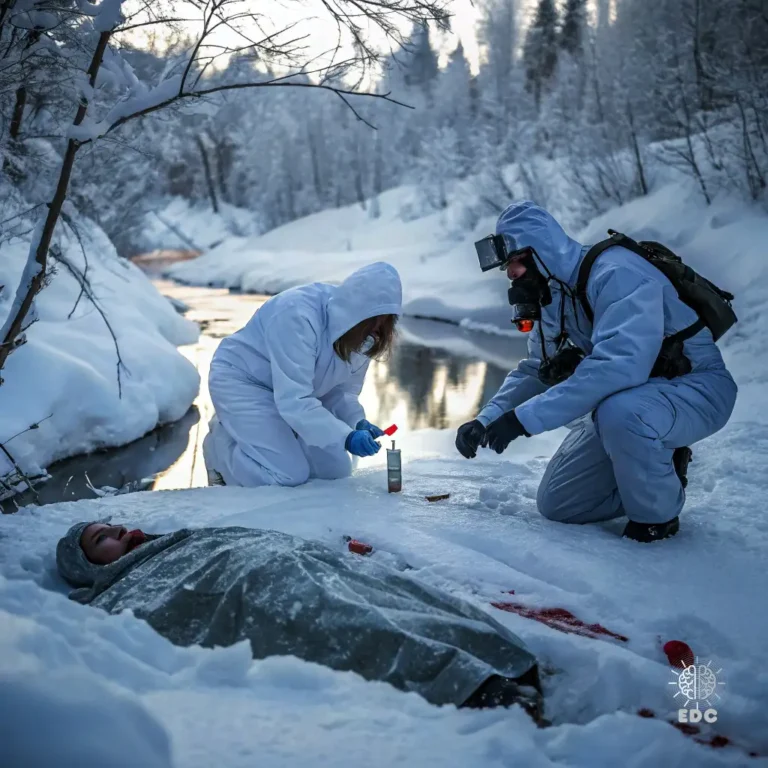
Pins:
<point x="80" y="277"/>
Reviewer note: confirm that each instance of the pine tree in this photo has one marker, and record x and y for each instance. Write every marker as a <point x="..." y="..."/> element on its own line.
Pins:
<point x="498" y="39"/>
<point x="540" y="53"/>
<point x="420" y="61"/>
<point x="574" y="23"/>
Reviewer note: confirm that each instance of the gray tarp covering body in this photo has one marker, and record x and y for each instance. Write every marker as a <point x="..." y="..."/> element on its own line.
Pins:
<point x="291" y="596"/>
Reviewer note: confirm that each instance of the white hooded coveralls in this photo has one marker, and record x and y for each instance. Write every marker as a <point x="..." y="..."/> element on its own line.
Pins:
<point x="285" y="401"/>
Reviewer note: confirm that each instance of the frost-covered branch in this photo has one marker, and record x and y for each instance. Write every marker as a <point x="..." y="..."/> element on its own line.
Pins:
<point x="106" y="17"/>
<point x="88" y="291"/>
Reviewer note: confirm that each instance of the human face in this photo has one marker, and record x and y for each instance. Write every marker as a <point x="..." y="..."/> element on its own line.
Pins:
<point x="103" y="544"/>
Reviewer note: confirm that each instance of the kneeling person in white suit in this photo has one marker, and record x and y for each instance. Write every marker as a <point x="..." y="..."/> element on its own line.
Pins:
<point x="286" y="386"/>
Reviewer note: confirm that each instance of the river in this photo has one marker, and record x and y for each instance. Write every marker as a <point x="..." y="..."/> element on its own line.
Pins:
<point x="438" y="376"/>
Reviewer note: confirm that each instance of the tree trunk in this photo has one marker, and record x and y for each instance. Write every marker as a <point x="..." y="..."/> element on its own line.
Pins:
<point x="34" y="272"/>
<point x="222" y="149"/>
<point x="636" y="151"/>
<point x="208" y="175"/>
<point x="12" y="169"/>
<point x="5" y="6"/>
<point x="18" y="112"/>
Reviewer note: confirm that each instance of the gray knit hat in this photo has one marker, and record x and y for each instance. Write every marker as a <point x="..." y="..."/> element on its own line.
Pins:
<point x="75" y="568"/>
<point x="90" y="579"/>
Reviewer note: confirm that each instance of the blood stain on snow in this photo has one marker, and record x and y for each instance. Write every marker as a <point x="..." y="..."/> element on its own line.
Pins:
<point x="560" y="619"/>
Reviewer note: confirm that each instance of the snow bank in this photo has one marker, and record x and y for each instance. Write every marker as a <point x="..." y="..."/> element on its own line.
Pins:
<point x="439" y="268"/>
<point x="66" y="376"/>
<point x="76" y="710"/>
<point x="183" y="224"/>
<point x="221" y="708"/>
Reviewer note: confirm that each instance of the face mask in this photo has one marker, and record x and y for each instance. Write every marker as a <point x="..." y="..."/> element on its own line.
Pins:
<point x="528" y="294"/>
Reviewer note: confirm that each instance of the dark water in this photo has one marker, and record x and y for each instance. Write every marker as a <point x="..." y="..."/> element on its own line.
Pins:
<point x="438" y="376"/>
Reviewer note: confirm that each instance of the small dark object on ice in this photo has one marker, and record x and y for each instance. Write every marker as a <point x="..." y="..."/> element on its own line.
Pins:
<point x="438" y="497"/>
<point x="499" y="691"/>
<point x="645" y="533"/>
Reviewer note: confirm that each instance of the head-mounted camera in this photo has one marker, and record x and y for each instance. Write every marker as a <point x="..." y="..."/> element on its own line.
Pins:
<point x="496" y="251"/>
<point x="527" y="293"/>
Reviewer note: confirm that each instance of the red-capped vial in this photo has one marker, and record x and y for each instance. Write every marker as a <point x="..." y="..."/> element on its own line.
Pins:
<point x="359" y="547"/>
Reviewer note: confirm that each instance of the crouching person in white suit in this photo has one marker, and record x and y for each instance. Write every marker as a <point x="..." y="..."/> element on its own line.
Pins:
<point x="286" y="386"/>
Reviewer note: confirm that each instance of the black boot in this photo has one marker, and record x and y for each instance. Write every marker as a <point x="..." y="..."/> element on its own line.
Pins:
<point x="681" y="458"/>
<point x="499" y="691"/>
<point x="648" y="532"/>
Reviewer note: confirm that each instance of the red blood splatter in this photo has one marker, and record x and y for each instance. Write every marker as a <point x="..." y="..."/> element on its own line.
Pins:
<point x="679" y="654"/>
<point x="560" y="619"/>
<point x="687" y="728"/>
<point x="716" y="742"/>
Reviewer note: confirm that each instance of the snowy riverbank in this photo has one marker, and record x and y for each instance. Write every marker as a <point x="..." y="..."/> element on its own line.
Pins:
<point x="92" y="375"/>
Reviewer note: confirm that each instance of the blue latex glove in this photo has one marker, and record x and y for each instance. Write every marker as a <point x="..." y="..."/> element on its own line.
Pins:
<point x="372" y="428"/>
<point x="361" y="443"/>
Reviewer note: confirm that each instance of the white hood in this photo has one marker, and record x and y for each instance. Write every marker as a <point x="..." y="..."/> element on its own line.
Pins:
<point x="368" y="292"/>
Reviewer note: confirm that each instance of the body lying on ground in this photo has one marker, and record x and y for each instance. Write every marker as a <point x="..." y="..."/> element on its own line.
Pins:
<point x="292" y="596"/>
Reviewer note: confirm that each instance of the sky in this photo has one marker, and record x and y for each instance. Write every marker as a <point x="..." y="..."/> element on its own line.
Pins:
<point x="320" y="35"/>
<point x="313" y="22"/>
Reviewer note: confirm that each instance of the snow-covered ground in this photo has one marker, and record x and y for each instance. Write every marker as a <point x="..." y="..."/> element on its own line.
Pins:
<point x="67" y="378"/>
<point x="202" y="707"/>
<point x="218" y="707"/>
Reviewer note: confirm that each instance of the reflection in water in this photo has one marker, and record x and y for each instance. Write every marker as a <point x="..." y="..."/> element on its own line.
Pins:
<point x="115" y="467"/>
<point x="420" y="387"/>
<point x="439" y="376"/>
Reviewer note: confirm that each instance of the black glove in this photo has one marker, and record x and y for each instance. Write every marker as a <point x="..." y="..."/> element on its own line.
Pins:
<point x="503" y="431"/>
<point x="468" y="437"/>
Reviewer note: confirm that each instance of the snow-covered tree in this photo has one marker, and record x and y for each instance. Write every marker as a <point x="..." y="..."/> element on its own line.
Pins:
<point x="540" y="53"/>
<point x="574" y="26"/>
<point x="82" y="43"/>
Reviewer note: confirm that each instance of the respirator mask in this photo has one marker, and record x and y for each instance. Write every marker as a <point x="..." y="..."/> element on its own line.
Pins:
<point x="527" y="294"/>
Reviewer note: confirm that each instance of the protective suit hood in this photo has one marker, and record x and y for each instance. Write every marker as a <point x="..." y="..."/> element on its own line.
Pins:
<point x="532" y="226"/>
<point x="370" y="291"/>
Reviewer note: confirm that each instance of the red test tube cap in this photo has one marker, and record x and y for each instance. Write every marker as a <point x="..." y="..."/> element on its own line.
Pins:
<point x="389" y="431"/>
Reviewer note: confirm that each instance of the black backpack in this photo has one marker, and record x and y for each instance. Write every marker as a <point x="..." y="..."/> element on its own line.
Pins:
<point x="711" y="304"/>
